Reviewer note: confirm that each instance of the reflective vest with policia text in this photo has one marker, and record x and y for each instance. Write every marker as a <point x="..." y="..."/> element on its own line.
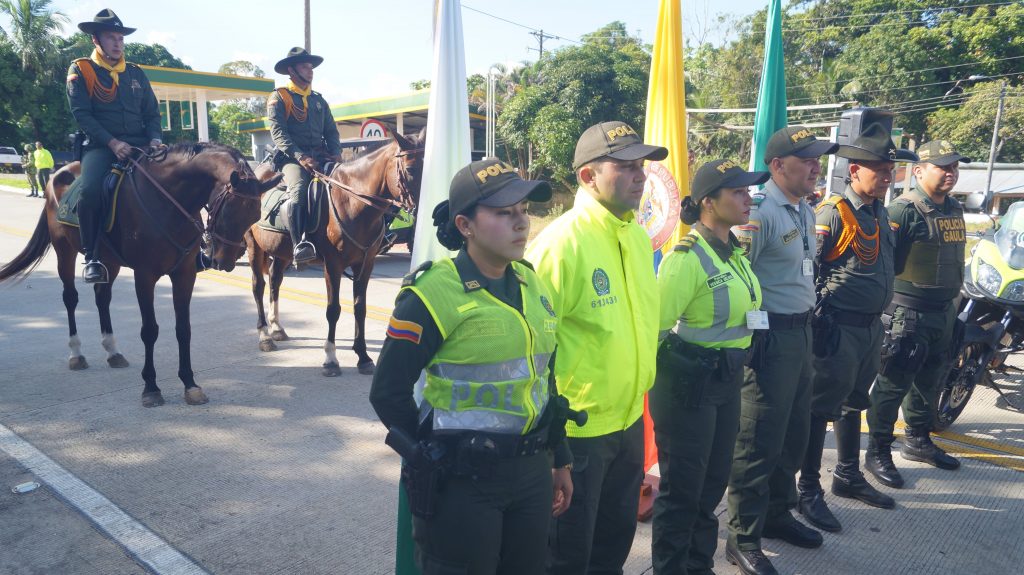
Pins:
<point x="723" y="325"/>
<point x="937" y="262"/>
<point x="491" y="372"/>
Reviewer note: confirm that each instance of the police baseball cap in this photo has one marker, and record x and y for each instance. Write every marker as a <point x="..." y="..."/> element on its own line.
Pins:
<point x="796" y="141"/>
<point x="940" y="153"/>
<point x="492" y="183"/>
<point x="723" y="174"/>
<point x="875" y="145"/>
<point x="616" y="140"/>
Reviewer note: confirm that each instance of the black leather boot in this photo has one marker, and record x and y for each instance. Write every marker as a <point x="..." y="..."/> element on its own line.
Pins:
<point x="918" y="446"/>
<point x="812" y="497"/>
<point x="878" y="460"/>
<point x="89" y="228"/>
<point x="749" y="562"/>
<point x="304" y="250"/>
<point x="847" y="480"/>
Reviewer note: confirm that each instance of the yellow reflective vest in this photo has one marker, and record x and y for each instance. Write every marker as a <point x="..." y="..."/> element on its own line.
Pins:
<point x="705" y="300"/>
<point x="491" y="373"/>
<point x="599" y="270"/>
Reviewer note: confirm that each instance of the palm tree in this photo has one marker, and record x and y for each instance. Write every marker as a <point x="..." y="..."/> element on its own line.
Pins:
<point x="33" y="31"/>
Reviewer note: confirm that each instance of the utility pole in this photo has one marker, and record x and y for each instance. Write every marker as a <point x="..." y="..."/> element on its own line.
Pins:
<point x="992" y="149"/>
<point x="308" y="44"/>
<point x="541" y="36"/>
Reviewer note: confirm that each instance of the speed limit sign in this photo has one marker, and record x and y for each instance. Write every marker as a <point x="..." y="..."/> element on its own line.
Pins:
<point x="373" y="129"/>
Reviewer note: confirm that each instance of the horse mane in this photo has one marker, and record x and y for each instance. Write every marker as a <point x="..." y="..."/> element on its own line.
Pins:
<point x="186" y="151"/>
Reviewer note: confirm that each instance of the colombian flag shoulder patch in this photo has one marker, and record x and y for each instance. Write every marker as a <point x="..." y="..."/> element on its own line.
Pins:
<point x="407" y="330"/>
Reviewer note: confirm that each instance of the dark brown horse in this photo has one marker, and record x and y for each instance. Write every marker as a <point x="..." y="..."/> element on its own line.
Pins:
<point x="156" y="233"/>
<point x="352" y="227"/>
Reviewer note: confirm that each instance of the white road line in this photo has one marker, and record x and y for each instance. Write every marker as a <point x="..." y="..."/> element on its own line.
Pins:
<point x="144" y="546"/>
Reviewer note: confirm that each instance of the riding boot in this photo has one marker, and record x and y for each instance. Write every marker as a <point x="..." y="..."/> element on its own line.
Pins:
<point x="918" y="446"/>
<point x="304" y="250"/>
<point x="812" y="501"/>
<point x="203" y="260"/>
<point x="878" y="460"/>
<point x="89" y="228"/>
<point x="847" y="480"/>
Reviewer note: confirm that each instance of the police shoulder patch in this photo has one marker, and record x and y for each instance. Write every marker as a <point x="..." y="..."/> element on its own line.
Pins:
<point x="410" y="278"/>
<point x="685" y="244"/>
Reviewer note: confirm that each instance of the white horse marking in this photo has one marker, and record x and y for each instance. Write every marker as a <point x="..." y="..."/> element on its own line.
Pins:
<point x="330" y="351"/>
<point x="76" y="346"/>
<point x="110" y="345"/>
<point x="272" y="316"/>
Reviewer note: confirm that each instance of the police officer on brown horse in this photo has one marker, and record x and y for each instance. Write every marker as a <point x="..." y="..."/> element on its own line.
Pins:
<point x="305" y="135"/>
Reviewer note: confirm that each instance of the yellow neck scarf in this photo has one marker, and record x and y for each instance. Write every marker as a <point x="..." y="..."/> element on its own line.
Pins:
<point x="100" y="61"/>
<point x="304" y="93"/>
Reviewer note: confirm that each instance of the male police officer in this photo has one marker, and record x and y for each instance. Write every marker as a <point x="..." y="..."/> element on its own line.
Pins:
<point x="304" y="132"/>
<point x="599" y="268"/>
<point x="930" y="239"/>
<point x="855" y="278"/>
<point x="777" y="388"/>
<point x="44" y="163"/>
<point x="115" y="106"/>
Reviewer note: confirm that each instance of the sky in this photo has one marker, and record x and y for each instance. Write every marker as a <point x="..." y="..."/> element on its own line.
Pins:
<point x="375" y="48"/>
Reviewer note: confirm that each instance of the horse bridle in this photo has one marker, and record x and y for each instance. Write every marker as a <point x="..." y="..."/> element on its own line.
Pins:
<point x="214" y="208"/>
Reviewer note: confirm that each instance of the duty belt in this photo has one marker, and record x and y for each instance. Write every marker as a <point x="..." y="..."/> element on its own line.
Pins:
<point x="505" y="445"/>
<point x="788" y="321"/>
<point x="852" y="318"/>
<point x="919" y="304"/>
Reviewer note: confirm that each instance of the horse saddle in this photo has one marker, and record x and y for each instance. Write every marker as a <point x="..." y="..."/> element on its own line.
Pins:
<point x="275" y="205"/>
<point x="67" y="208"/>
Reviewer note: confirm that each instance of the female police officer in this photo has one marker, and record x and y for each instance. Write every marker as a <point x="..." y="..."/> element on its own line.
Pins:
<point x="709" y="307"/>
<point x="481" y="330"/>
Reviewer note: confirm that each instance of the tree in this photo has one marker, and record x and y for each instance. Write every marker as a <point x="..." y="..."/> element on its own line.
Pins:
<point x="34" y="30"/>
<point x="970" y="124"/>
<point x="242" y="68"/>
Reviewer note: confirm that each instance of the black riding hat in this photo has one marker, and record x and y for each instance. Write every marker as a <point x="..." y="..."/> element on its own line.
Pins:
<point x="875" y="145"/>
<point x="296" y="56"/>
<point x="105" y="20"/>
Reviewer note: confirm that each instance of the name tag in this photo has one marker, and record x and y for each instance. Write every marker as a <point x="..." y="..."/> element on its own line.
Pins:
<point x="808" y="267"/>
<point x="790" y="236"/>
<point x="719" y="280"/>
<point x="757" y="319"/>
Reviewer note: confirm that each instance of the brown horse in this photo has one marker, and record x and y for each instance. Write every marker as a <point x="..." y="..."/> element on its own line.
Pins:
<point x="351" y="230"/>
<point x="156" y="233"/>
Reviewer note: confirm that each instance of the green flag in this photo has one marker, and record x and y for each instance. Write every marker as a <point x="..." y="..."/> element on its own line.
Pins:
<point x="771" y="98"/>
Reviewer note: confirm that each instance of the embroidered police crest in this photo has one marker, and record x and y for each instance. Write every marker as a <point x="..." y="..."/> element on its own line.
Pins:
<point x="600" y="280"/>
<point x="547" y="305"/>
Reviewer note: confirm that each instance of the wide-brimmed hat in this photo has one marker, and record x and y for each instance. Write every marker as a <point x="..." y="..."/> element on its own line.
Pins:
<point x="492" y="183"/>
<point x="617" y="140"/>
<point x="940" y="153"/>
<point x="296" y="56"/>
<point x="875" y="145"/>
<point x="105" y="20"/>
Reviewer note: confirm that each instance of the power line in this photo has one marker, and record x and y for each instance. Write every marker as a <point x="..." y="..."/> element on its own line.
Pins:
<point x="932" y="9"/>
<point x="532" y="30"/>
<point x="907" y="23"/>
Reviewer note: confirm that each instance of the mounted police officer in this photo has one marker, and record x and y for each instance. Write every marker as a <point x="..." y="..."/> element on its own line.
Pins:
<point x="709" y="309"/>
<point x="486" y="460"/>
<point x="776" y="391"/>
<point x="115" y="106"/>
<point x="930" y="240"/>
<point x="305" y="135"/>
<point x="855" y="285"/>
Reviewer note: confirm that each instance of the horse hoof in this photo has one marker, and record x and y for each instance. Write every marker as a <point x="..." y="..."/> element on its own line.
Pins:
<point x="366" y="368"/>
<point x="268" y="345"/>
<point x="195" y="396"/>
<point x="77" y="363"/>
<point x="117" y="360"/>
<point x="152" y="399"/>
<point x="279" y="335"/>
<point x="331" y="370"/>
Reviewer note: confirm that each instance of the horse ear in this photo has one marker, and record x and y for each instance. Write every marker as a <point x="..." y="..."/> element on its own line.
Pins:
<point x="270" y="184"/>
<point x="403" y="142"/>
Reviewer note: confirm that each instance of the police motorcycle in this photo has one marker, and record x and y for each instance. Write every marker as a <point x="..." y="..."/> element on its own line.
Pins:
<point x="991" y="319"/>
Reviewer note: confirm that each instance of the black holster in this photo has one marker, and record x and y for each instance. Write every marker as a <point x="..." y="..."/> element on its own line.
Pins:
<point x="78" y="144"/>
<point x="688" y="367"/>
<point x="901" y="351"/>
<point x="825" y="332"/>
<point x="279" y="159"/>
<point x="423" y="471"/>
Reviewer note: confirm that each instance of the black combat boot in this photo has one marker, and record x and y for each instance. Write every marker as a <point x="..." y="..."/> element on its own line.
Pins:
<point x="918" y="446"/>
<point x="89" y="228"/>
<point x="304" y="250"/>
<point x="878" y="460"/>
<point x="847" y="480"/>
<point x="812" y="497"/>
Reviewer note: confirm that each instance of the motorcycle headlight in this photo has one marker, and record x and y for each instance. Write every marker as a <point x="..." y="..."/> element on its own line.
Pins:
<point x="1014" y="291"/>
<point x="989" y="278"/>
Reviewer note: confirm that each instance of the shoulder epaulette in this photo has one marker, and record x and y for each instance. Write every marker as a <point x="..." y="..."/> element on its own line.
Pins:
<point x="685" y="243"/>
<point x="410" y="278"/>
<point x="832" y="200"/>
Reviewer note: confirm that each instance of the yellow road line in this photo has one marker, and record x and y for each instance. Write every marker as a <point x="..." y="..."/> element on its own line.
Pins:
<point x="959" y="444"/>
<point x="16" y="232"/>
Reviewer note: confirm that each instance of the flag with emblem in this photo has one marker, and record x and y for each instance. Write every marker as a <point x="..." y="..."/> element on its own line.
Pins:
<point x="771" y="97"/>
<point x="446" y="150"/>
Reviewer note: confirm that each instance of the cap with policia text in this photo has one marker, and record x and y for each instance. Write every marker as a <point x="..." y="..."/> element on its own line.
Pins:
<point x="875" y="145"/>
<point x="723" y="174"/>
<point x="616" y="140"/>
<point x="940" y="153"/>
<point x="796" y="141"/>
<point x="492" y="183"/>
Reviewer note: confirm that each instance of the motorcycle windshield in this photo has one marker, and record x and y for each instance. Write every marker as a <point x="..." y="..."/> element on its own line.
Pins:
<point x="1009" y="238"/>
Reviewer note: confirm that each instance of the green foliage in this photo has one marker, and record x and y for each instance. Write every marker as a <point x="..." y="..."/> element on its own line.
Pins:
<point x="970" y="125"/>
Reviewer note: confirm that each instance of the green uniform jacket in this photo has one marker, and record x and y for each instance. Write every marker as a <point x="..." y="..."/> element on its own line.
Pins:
<point x="911" y="227"/>
<point x="28" y="163"/>
<point x="315" y="137"/>
<point x="847" y="283"/>
<point x="133" y="116"/>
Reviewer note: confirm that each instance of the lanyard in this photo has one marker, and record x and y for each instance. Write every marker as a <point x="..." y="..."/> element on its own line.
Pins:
<point x="749" y="283"/>
<point x="800" y="222"/>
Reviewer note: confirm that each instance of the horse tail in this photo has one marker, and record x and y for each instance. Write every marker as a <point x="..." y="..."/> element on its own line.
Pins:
<point x="29" y="258"/>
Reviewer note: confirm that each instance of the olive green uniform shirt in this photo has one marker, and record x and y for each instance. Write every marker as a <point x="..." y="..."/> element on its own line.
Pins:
<point x="910" y="226"/>
<point x="847" y="283"/>
<point x="316" y="136"/>
<point x="132" y="117"/>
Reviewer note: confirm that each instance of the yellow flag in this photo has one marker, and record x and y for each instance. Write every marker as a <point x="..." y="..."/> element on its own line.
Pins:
<point x="665" y="125"/>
